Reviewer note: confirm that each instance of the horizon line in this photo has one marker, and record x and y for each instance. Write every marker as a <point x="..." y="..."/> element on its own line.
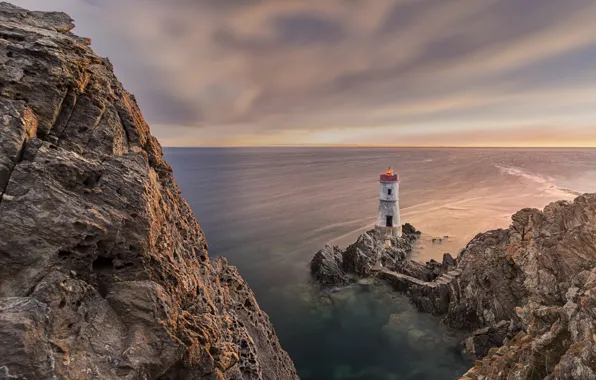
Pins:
<point x="384" y="146"/>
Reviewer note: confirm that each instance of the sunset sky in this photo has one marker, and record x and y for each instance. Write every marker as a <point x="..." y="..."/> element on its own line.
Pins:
<point x="367" y="72"/>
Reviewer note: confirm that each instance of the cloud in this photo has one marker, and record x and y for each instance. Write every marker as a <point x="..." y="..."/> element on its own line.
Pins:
<point x="279" y="71"/>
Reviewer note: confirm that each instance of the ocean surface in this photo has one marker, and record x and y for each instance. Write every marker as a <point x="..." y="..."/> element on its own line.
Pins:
<point x="268" y="210"/>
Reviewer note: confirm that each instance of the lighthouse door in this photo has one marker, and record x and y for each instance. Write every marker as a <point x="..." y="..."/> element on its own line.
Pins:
<point x="389" y="221"/>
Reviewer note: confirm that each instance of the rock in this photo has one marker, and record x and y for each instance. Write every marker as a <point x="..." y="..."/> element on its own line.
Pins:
<point x="535" y="277"/>
<point x="409" y="230"/>
<point x="374" y="247"/>
<point x="25" y="351"/>
<point x="557" y="342"/>
<point x="333" y="267"/>
<point x="418" y="340"/>
<point x="104" y="271"/>
<point x="448" y="260"/>
<point x="482" y="340"/>
<point x="526" y="293"/>
<point x="326" y="267"/>
<point x="361" y="256"/>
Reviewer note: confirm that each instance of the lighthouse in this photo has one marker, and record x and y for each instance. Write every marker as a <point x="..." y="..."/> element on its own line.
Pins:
<point x="388" y="218"/>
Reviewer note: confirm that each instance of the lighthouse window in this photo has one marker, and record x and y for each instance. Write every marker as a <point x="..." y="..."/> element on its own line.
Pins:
<point x="389" y="221"/>
<point x="389" y="191"/>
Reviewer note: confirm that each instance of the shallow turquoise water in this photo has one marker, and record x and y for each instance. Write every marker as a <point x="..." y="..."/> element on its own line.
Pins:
<point x="363" y="332"/>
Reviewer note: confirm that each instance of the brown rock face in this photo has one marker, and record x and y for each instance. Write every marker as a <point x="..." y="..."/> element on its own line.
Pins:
<point x="104" y="272"/>
<point x="538" y="277"/>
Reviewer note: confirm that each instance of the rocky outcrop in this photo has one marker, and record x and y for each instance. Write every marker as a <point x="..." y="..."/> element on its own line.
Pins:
<point x="373" y="250"/>
<point x="557" y="342"/>
<point x="525" y="293"/>
<point x="528" y="290"/>
<point x="539" y="276"/>
<point x="104" y="271"/>
<point x="482" y="340"/>
<point x="327" y="267"/>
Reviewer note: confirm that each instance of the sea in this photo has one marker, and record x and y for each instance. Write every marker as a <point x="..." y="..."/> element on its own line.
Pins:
<point x="269" y="210"/>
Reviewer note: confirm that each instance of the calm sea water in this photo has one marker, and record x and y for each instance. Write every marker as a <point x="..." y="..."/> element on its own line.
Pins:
<point x="268" y="210"/>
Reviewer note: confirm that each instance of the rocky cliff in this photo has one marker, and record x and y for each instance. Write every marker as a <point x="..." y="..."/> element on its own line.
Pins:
<point x="104" y="271"/>
<point x="526" y="294"/>
<point x="538" y="278"/>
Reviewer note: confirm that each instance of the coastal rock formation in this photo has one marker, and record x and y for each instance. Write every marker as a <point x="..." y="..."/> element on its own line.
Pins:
<point x="526" y="293"/>
<point x="539" y="277"/>
<point x="482" y="340"/>
<point x="373" y="249"/>
<point x="104" y="271"/>
<point x="327" y="267"/>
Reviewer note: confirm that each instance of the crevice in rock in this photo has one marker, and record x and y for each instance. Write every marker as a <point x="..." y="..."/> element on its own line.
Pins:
<point x="64" y="254"/>
<point x="58" y="114"/>
<point x="30" y="73"/>
<point x="66" y="111"/>
<point x="100" y="266"/>
<point x="21" y="153"/>
<point x="124" y="126"/>
<point x="18" y="158"/>
<point x="90" y="132"/>
<point x="8" y="36"/>
<point x="92" y="180"/>
<point x="103" y="263"/>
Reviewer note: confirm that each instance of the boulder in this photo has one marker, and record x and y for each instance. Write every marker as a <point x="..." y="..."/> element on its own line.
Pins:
<point x="361" y="256"/>
<point x="410" y="230"/>
<point x="326" y="267"/>
<point x="448" y="260"/>
<point x="482" y="340"/>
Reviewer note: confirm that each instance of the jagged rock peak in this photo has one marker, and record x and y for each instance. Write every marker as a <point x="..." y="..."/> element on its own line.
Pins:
<point x="534" y="283"/>
<point x="104" y="271"/>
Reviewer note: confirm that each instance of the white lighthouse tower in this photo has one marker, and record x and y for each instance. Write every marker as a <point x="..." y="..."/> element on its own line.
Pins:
<point x="388" y="219"/>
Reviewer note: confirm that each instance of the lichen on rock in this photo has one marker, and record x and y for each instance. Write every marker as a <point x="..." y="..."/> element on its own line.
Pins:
<point x="104" y="270"/>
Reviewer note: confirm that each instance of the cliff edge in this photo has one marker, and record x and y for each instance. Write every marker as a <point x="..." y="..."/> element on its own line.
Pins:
<point x="104" y="271"/>
<point x="536" y="279"/>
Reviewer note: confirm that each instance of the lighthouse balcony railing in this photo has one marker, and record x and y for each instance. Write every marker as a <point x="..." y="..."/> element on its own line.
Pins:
<point x="389" y="178"/>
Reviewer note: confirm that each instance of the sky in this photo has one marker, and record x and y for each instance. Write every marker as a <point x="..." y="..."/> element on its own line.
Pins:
<point x="351" y="72"/>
